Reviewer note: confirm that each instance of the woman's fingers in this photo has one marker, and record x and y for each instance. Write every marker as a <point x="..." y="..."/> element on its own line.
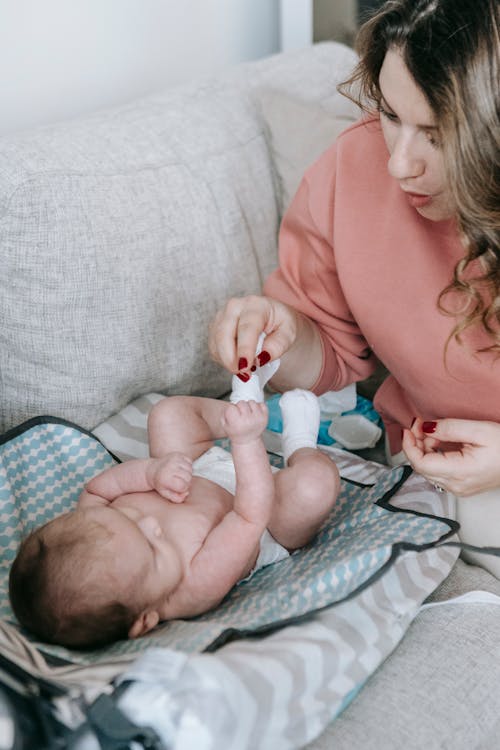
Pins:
<point x="458" y="431"/>
<point x="461" y="456"/>
<point x="235" y="331"/>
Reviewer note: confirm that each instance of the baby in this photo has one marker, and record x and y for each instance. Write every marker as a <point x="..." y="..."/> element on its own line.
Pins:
<point x="169" y="536"/>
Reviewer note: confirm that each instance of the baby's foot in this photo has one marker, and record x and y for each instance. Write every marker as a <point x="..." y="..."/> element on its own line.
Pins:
<point x="245" y="421"/>
<point x="301" y="419"/>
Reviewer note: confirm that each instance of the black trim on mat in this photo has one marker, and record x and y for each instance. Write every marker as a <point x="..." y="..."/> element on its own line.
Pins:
<point x="47" y="419"/>
<point x="383" y="502"/>
<point x="355" y="482"/>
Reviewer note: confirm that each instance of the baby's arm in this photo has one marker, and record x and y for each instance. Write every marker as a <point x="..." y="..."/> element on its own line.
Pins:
<point x="231" y="547"/>
<point x="170" y="476"/>
<point x="244" y="423"/>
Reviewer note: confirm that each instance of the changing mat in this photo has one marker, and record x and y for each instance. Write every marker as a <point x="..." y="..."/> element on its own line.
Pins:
<point x="325" y="618"/>
<point x="45" y="462"/>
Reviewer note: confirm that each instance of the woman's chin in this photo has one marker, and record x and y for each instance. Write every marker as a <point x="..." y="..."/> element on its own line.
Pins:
<point x="436" y="209"/>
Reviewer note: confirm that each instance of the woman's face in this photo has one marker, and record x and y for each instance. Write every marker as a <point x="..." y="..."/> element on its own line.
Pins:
<point x="411" y="135"/>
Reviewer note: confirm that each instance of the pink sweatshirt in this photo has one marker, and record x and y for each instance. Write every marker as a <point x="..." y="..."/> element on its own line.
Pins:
<point x="360" y="261"/>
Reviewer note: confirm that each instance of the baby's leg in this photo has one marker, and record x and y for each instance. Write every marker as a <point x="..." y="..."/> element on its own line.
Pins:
<point x="305" y="494"/>
<point x="187" y="424"/>
<point x="307" y="488"/>
<point x="300" y="413"/>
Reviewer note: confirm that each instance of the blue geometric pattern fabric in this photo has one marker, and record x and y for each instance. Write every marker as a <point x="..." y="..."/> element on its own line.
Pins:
<point x="43" y="468"/>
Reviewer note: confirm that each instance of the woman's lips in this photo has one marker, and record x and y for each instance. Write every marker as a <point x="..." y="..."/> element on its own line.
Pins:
<point x="418" y="200"/>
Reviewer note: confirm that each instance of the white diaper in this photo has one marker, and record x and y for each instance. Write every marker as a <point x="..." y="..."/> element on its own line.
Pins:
<point x="271" y="551"/>
<point x="216" y="464"/>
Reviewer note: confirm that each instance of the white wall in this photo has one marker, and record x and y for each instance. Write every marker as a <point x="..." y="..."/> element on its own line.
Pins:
<point x="60" y="58"/>
<point x="296" y="23"/>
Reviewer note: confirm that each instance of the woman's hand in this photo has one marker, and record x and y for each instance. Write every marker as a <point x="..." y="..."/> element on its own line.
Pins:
<point x="235" y="331"/>
<point x="236" y="328"/>
<point x="459" y="455"/>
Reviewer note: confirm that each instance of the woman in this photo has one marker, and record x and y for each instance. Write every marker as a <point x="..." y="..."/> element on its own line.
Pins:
<point x="391" y="251"/>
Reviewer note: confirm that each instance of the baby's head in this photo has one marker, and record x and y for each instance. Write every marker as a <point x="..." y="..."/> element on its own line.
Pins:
<point x="67" y="584"/>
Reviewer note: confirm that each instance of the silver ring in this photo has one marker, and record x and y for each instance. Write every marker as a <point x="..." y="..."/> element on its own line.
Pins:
<point x="438" y="487"/>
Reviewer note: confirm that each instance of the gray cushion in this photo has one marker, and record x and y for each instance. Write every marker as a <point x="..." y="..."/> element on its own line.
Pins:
<point x="289" y="119"/>
<point x="119" y="254"/>
<point x="439" y="689"/>
<point x="122" y="233"/>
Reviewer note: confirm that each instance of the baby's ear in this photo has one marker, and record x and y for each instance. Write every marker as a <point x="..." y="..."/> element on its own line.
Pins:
<point x="145" y="622"/>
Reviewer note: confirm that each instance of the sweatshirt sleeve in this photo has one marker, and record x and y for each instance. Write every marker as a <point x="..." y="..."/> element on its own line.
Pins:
<point x="307" y="278"/>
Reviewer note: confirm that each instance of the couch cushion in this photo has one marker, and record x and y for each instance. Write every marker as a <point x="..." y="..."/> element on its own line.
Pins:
<point x="439" y="689"/>
<point x="117" y="258"/>
<point x="288" y="118"/>
<point x="122" y="233"/>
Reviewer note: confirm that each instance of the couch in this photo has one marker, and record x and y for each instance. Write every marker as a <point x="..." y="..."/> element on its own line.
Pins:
<point x="122" y="233"/>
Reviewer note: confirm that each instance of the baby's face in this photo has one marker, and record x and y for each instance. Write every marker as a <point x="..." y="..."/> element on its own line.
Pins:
<point x="140" y="553"/>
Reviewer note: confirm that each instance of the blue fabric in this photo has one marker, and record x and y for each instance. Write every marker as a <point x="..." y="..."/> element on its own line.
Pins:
<point x="363" y="406"/>
<point x="43" y="468"/>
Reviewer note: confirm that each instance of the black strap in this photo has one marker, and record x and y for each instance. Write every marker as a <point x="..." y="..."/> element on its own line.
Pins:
<point x="112" y="729"/>
<point x="31" y="699"/>
<point x="32" y="719"/>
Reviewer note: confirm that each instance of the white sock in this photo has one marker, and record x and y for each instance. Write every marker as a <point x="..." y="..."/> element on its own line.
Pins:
<point x="253" y="389"/>
<point x="301" y="418"/>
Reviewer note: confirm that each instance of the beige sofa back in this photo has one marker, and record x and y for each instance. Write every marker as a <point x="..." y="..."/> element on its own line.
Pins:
<point x="122" y="233"/>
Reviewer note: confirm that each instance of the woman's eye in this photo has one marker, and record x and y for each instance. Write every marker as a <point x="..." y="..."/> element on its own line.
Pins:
<point x="433" y="139"/>
<point x="389" y="115"/>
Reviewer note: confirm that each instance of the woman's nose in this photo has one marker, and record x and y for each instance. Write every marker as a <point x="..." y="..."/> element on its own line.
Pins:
<point x="405" y="161"/>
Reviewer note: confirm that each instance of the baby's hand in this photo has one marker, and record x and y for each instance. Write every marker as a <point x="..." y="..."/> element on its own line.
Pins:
<point x="171" y="476"/>
<point x="245" y="421"/>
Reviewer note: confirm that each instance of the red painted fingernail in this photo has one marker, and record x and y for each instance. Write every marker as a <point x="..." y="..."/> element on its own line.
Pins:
<point x="242" y="363"/>
<point x="264" y="357"/>
<point x="429" y="427"/>
<point x="243" y="376"/>
<point x="253" y="368"/>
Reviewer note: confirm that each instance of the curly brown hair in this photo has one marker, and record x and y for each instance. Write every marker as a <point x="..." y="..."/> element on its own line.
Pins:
<point x="452" y="50"/>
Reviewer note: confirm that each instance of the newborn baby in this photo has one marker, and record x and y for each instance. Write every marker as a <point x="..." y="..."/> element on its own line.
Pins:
<point x="169" y="536"/>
